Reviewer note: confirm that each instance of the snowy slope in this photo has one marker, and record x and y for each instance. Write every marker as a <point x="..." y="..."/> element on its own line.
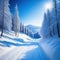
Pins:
<point x="51" y="46"/>
<point x="8" y="44"/>
<point x="20" y="48"/>
<point x="26" y="48"/>
<point x="9" y="40"/>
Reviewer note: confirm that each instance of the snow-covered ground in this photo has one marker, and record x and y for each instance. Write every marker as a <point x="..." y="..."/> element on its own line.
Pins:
<point x="20" y="48"/>
<point x="52" y="47"/>
<point x="26" y="48"/>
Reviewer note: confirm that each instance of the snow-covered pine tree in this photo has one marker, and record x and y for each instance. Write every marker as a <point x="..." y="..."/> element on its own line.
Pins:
<point x="5" y="15"/>
<point x="27" y="31"/>
<point x="24" y="30"/>
<point x="45" y="27"/>
<point x="52" y="21"/>
<point x="56" y="15"/>
<point x="16" y="22"/>
<point x="42" y="31"/>
<point x="20" y="26"/>
<point x="49" y="23"/>
<point x="2" y="17"/>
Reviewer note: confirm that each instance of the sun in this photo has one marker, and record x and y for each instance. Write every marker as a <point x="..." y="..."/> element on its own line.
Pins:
<point x="48" y="6"/>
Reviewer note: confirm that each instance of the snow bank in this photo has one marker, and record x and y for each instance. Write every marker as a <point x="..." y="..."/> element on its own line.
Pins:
<point x="50" y="46"/>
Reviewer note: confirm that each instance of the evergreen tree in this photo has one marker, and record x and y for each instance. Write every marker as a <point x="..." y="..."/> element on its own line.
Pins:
<point x="2" y="19"/>
<point x="49" y="23"/>
<point x="27" y="31"/>
<point x="56" y="12"/>
<point x="53" y="27"/>
<point x="58" y="15"/>
<point x="16" y="22"/>
<point x="5" y="16"/>
<point x="20" y="27"/>
<point x="45" y="27"/>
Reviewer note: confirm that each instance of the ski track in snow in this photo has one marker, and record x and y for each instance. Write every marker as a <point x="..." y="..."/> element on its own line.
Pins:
<point x="24" y="53"/>
<point x="29" y="50"/>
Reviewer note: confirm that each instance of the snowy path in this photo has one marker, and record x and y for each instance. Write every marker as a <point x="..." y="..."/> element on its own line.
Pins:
<point x="21" y="48"/>
<point x="26" y="52"/>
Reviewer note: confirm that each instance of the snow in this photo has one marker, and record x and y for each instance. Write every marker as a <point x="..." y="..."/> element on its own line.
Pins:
<point x="7" y="15"/>
<point x="50" y="32"/>
<point x="51" y="46"/>
<point x="17" y="53"/>
<point x="23" y="47"/>
<point x="16" y="20"/>
<point x="20" y="48"/>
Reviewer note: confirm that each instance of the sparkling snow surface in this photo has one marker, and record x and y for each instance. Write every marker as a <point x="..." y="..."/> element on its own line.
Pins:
<point x="20" y="48"/>
<point x="26" y="48"/>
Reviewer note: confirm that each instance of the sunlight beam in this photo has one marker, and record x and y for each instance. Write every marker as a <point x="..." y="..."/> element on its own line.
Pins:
<point x="48" y="6"/>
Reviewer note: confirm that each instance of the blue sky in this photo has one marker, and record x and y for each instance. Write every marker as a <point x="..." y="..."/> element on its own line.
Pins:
<point x="30" y="11"/>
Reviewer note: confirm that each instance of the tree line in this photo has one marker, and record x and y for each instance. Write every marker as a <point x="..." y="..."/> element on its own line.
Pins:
<point x="9" y="22"/>
<point x="51" y="22"/>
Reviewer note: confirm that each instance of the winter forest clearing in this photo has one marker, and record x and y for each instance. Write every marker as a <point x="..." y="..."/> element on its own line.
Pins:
<point x="29" y="42"/>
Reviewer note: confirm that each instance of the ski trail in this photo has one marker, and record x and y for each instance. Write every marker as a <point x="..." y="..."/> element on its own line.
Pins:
<point x="31" y="52"/>
<point x="16" y="52"/>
